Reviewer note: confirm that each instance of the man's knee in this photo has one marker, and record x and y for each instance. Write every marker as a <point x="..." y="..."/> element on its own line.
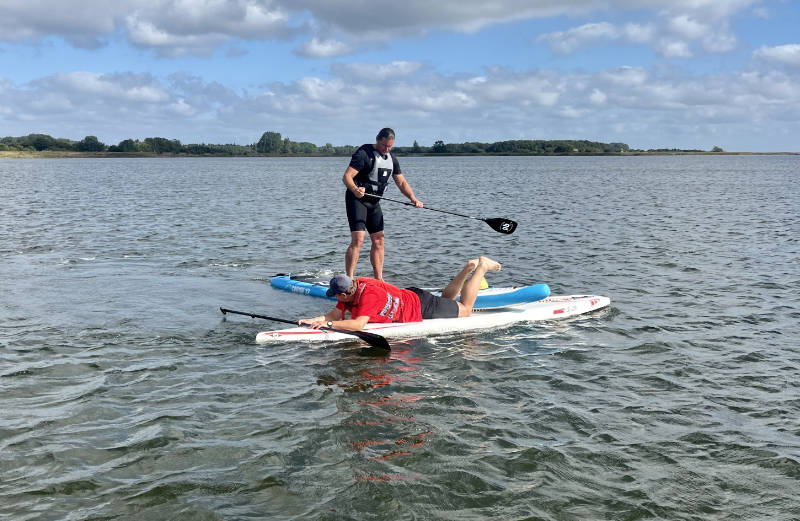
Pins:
<point x="377" y="239"/>
<point x="357" y="239"/>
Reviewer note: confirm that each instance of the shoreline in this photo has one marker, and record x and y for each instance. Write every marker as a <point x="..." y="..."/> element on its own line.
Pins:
<point x="49" y="154"/>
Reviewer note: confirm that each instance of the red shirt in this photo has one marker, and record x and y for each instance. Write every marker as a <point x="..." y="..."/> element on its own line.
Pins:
<point x="382" y="302"/>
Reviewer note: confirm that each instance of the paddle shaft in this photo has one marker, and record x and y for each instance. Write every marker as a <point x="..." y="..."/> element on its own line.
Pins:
<point x="256" y="315"/>
<point x="425" y="207"/>
<point x="498" y="224"/>
<point x="370" y="338"/>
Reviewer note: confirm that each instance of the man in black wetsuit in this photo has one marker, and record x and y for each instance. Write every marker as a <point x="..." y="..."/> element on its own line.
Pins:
<point x="368" y="173"/>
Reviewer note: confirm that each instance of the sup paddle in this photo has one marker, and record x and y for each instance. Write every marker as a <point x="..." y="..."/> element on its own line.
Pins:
<point x="498" y="224"/>
<point x="370" y="338"/>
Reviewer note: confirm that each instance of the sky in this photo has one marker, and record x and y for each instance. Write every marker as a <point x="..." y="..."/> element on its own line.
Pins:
<point x="688" y="74"/>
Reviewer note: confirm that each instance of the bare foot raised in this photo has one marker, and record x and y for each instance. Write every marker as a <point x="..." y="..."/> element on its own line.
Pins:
<point x="472" y="264"/>
<point x="491" y="265"/>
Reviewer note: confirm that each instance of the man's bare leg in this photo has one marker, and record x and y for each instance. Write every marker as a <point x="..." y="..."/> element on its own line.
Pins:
<point x="376" y="254"/>
<point x="470" y="290"/>
<point x="351" y="255"/>
<point x="453" y="289"/>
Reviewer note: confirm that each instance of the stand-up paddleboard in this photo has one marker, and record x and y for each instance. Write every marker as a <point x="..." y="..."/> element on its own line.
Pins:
<point x="310" y="287"/>
<point x="552" y="308"/>
<point x="487" y="298"/>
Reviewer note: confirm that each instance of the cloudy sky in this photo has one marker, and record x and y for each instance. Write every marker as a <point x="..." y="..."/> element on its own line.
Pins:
<point x="649" y="73"/>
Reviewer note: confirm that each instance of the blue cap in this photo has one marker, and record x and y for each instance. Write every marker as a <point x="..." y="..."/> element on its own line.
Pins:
<point x="339" y="284"/>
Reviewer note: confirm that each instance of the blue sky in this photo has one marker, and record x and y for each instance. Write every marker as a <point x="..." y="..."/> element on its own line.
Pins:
<point x="652" y="73"/>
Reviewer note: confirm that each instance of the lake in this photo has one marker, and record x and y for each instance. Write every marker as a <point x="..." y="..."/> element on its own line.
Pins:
<point x="127" y="395"/>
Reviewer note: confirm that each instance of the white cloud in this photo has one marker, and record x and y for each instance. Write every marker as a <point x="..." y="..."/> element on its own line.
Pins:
<point x="625" y="76"/>
<point x="569" y="111"/>
<point x="688" y="27"/>
<point x="31" y="19"/>
<point x="145" y="34"/>
<point x="714" y="34"/>
<point x="188" y="27"/>
<point x="671" y="36"/>
<point x="357" y="16"/>
<point x="565" y="42"/>
<point x="536" y="89"/>
<point x="317" y="48"/>
<point x="517" y="97"/>
<point x="719" y="41"/>
<point x="674" y="49"/>
<point x="169" y="27"/>
<point x="377" y="71"/>
<point x="788" y="54"/>
<point x="639" y="33"/>
<point x="51" y="103"/>
<point x="432" y="101"/>
<point x="316" y="89"/>
<point x="598" y="97"/>
<point x="111" y="87"/>
<point x="183" y="27"/>
<point x="181" y="108"/>
<point x="645" y="109"/>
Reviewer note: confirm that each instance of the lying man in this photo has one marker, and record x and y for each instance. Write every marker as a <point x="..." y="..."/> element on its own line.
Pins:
<point x="371" y="300"/>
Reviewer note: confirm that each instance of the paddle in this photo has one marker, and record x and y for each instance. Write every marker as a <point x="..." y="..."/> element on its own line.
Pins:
<point x="370" y="338"/>
<point x="498" y="224"/>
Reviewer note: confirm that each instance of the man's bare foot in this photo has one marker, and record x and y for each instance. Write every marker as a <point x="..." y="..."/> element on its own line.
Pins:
<point x="491" y="265"/>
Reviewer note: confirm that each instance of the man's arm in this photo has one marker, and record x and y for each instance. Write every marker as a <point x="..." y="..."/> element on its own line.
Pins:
<point x="405" y="188"/>
<point x="321" y="320"/>
<point x="349" y="182"/>
<point x="352" y="324"/>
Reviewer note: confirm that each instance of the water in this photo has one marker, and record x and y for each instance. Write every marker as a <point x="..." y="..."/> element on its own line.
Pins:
<point x="126" y="395"/>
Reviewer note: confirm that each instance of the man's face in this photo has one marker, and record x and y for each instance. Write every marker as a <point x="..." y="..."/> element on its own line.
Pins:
<point x="384" y="146"/>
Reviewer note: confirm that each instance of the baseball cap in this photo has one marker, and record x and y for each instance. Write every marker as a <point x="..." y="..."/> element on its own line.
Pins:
<point x="339" y="284"/>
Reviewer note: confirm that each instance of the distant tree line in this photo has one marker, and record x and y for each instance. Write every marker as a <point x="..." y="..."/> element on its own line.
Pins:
<point x="537" y="147"/>
<point x="273" y="144"/>
<point x="151" y="145"/>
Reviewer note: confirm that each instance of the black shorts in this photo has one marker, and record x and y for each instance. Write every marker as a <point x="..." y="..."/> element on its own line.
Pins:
<point x="435" y="307"/>
<point x="363" y="214"/>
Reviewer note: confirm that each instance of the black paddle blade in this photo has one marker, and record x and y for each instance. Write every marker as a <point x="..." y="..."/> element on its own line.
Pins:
<point x="501" y="225"/>
<point x="371" y="338"/>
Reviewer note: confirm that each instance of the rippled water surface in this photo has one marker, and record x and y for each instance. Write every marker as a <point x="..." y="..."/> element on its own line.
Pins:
<point x="126" y="395"/>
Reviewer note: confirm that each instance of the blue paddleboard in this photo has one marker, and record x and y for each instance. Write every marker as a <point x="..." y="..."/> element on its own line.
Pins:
<point x="487" y="298"/>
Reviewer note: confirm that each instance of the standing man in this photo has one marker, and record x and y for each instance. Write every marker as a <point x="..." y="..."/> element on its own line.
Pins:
<point x="368" y="173"/>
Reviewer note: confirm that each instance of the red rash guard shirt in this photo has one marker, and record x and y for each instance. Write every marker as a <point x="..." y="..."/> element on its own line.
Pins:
<point x="382" y="302"/>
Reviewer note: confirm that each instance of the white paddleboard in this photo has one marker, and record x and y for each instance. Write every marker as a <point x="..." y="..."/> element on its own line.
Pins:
<point x="551" y="308"/>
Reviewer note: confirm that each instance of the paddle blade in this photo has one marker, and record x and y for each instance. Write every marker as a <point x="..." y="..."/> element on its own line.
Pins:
<point x="370" y="338"/>
<point x="501" y="225"/>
